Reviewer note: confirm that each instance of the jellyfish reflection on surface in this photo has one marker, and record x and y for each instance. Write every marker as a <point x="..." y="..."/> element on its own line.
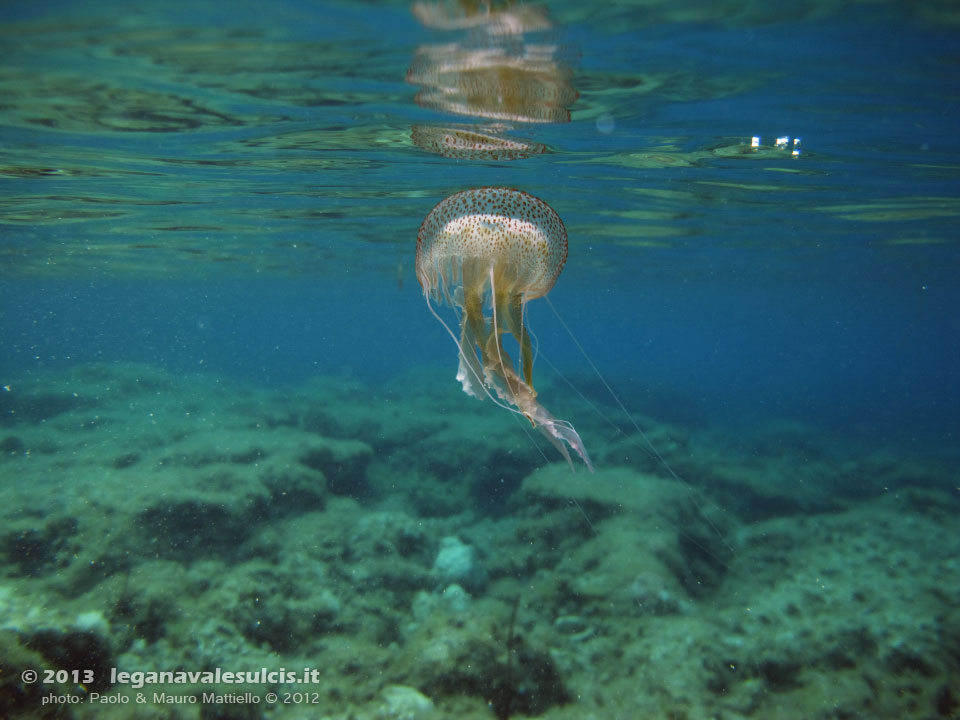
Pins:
<point x="486" y="252"/>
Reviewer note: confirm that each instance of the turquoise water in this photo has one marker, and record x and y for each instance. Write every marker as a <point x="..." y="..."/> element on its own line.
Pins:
<point x="208" y="217"/>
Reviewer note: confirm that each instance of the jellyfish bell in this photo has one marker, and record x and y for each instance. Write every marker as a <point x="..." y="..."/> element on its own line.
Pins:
<point x="486" y="252"/>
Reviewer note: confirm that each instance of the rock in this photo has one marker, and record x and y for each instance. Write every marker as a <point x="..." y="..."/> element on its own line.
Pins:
<point x="457" y="563"/>
<point x="401" y="702"/>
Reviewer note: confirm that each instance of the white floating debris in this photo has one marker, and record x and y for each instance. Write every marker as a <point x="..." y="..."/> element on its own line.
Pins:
<point x="783" y="142"/>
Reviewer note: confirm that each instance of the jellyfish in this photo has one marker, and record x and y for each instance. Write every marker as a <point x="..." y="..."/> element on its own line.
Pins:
<point x="486" y="253"/>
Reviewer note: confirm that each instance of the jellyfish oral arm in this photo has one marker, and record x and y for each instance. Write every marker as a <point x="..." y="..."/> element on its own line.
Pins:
<point x="469" y="372"/>
<point x="510" y="392"/>
<point x="511" y="389"/>
<point x="520" y="392"/>
<point x="559" y="432"/>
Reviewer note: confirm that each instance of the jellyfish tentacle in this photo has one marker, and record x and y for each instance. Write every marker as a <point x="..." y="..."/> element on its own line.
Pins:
<point x="518" y="330"/>
<point x="505" y="306"/>
<point x="502" y="369"/>
<point x="473" y="310"/>
<point x="469" y="368"/>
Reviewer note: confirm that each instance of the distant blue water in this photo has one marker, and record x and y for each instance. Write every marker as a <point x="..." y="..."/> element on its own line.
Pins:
<point x="821" y="287"/>
<point x="831" y="349"/>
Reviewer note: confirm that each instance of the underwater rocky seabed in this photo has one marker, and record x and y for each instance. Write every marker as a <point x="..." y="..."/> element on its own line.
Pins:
<point x="414" y="547"/>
